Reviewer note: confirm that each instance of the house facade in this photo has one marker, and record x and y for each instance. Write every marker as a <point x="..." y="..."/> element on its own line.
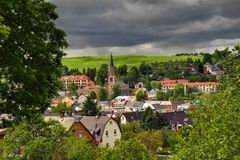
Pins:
<point x="104" y="128"/>
<point x="81" y="81"/>
<point x="199" y="86"/>
<point x="74" y="125"/>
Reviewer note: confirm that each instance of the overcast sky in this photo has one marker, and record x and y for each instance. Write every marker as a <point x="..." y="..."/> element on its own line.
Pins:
<point x="150" y="27"/>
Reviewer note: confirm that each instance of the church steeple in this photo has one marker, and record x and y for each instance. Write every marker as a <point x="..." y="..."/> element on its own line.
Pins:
<point x="111" y="67"/>
<point x="111" y="61"/>
<point x="111" y="75"/>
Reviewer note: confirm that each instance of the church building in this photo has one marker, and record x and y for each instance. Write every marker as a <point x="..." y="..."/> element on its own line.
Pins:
<point x="112" y="80"/>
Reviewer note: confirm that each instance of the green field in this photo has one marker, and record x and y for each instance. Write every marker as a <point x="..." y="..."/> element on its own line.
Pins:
<point x="130" y="60"/>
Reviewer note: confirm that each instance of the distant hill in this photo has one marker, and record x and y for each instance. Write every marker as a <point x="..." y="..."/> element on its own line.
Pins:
<point x="129" y="60"/>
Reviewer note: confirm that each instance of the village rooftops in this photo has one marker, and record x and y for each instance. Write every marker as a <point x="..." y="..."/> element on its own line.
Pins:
<point x="75" y="77"/>
<point x="104" y="128"/>
<point x="174" y="81"/>
<point x="190" y="84"/>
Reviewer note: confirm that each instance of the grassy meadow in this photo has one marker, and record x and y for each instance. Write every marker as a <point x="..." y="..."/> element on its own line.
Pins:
<point x="129" y="60"/>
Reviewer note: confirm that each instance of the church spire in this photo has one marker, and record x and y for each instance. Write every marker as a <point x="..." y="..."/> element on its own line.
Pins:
<point x="111" y="61"/>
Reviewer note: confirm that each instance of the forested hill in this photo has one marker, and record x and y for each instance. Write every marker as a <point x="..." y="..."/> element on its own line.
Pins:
<point x="129" y="60"/>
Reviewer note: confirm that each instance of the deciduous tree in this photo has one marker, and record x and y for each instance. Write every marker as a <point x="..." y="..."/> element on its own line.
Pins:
<point x="89" y="107"/>
<point x="217" y="121"/>
<point x="102" y="94"/>
<point x="30" y="56"/>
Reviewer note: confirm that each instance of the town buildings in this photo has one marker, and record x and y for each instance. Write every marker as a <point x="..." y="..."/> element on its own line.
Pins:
<point x="213" y="70"/>
<point x="81" y="81"/>
<point x="176" y="119"/>
<point x="105" y="129"/>
<point x="112" y="81"/>
<point x="198" y="86"/>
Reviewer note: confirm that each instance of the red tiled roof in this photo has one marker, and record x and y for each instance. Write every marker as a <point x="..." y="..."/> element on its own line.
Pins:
<point x="169" y="84"/>
<point x="76" y="77"/>
<point x="174" y="81"/>
<point x="191" y="84"/>
<point x="91" y="83"/>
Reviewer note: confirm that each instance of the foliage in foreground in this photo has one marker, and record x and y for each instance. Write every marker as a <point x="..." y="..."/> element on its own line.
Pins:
<point x="30" y="58"/>
<point x="217" y="121"/>
<point x="40" y="140"/>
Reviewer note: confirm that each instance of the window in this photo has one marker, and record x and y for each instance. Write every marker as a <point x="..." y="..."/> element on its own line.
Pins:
<point x="115" y="132"/>
<point x="110" y="122"/>
<point x="107" y="133"/>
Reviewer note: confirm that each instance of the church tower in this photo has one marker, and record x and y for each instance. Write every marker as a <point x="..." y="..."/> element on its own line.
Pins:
<point x="111" y="77"/>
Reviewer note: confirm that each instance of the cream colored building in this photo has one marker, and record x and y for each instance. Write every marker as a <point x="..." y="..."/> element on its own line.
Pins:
<point x="104" y="128"/>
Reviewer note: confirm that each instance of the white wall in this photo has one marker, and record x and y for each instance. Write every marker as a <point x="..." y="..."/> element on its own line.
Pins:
<point x="111" y="138"/>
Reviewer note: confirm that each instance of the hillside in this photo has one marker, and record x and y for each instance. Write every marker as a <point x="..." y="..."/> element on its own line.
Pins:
<point x="130" y="60"/>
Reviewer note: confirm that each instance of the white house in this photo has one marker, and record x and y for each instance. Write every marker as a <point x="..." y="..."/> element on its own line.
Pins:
<point x="152" y="94"/>
<point x="104" y="128"/>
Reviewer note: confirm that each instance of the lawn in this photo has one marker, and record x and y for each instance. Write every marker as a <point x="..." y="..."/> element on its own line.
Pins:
<point x="130" y="60"/>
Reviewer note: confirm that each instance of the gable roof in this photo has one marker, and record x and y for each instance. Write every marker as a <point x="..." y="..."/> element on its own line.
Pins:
<point x="96" y="125"/>
<point x="134" y="104"/>
<point x="67" y="122"/>
<point x="178" y="117"/>
<point x="133" y="116"/>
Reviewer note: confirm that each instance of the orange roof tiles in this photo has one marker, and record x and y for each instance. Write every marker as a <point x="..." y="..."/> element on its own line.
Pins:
<point x="76" y="77"/>
<point x="173" y="83"/>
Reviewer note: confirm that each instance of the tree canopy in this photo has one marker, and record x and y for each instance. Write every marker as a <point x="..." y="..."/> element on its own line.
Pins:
<point x="89" y="107"/>
<point x="217" y="122"/>
<point x="30" y="57"/>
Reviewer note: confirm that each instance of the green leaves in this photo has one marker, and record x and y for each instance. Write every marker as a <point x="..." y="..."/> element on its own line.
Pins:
<point x="217" y="122"/>
<point x="32" y="55"/>
<point x="4" y="30"/>
<point x="89" y="107"/>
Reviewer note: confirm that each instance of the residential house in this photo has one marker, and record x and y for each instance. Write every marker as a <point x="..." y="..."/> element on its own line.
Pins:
<point x="104" y="104"/>
<point x="167" y="106"/>
<point x="104" y="128"/>
<point x="162" y="106"/>
<point x="80" y="80"/>
<point x="152" y="95"/>
<point x="119" y="109"/>
<point x="134" y="106"/>
<point x="74" y="125"/>
<point x="69" y="101"/>
<point x="177" y="119"/>
<point x="129" y="117"/>
<point x="198" y="86"/>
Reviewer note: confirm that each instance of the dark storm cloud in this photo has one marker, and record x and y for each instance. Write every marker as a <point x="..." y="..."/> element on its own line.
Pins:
<point x="126" y="23"/>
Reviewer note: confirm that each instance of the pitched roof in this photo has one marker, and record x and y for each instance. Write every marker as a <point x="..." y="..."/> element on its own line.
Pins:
<point x="133" y="116"/>
<point x="67" y="122"/>
<point x="178" y="117"/>
<point x="174" y="81"/>
<point x="75" y="77"/>
<point x="96" y="125"/>
<point x="134" y="104"/>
